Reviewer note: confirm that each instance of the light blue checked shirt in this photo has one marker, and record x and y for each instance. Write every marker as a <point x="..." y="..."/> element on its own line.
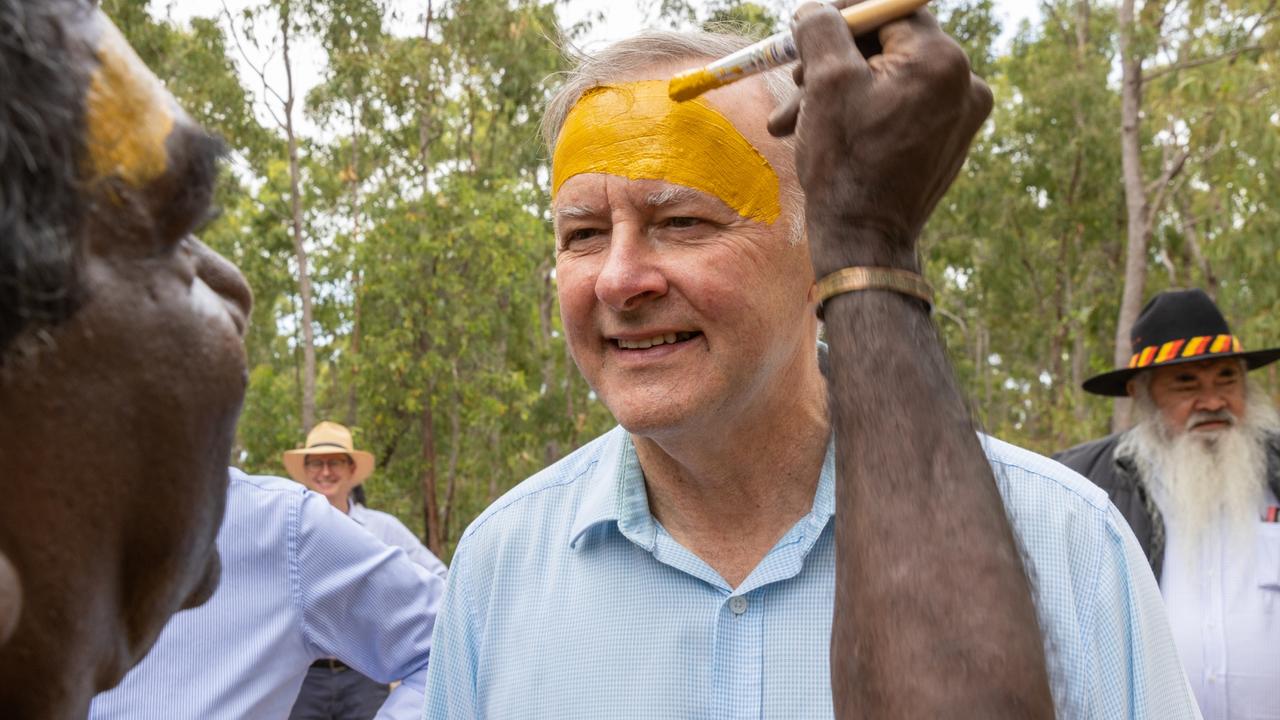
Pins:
<point x="567" y="599"/>
<point x="300" y="582"/>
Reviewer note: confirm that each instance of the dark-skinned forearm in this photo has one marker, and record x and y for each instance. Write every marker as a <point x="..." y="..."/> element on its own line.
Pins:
<point x="934" y="616"/>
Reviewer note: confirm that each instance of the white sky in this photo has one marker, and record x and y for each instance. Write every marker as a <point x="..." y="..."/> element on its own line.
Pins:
<point x="621" y="19"/>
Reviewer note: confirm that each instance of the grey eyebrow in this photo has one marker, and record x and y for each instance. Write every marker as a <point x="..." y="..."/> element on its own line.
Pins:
<point x="671" y="196"/>
<point x="576" y="211"/>
<point x="667" y="196"/>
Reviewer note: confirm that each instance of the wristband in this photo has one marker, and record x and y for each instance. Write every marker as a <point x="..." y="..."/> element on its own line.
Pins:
<point x="851" y="279"/>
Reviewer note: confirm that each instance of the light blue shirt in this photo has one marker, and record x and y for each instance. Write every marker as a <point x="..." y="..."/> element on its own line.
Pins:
<point x="567" y="599"/>
<point x="391" y="531"/>
<point x="300" y="582"/>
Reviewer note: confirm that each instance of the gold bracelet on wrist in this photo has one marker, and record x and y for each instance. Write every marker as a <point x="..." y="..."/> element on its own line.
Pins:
<point x="851" y="279"/>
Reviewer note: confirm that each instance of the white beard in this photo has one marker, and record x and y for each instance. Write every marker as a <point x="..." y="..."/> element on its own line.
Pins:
<point x="1204" y="481"/>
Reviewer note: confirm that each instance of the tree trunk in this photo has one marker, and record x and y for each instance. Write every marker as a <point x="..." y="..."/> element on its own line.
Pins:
<point x="455" y="444"/>
<point x="430" y="507"/>
<point x="299" y="248"/>
<point x="546" y="348"/>
<point x="357" y="236"/>
<point x="1138" y="227"/>
<point x="1075" y="394"/>
<point x="425" y="102"/>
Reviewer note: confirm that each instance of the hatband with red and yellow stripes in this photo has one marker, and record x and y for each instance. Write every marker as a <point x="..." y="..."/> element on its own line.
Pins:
<point x="1185" y="348"/>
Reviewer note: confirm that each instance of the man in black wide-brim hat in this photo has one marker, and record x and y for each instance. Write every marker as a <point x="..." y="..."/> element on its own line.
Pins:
<point x="1198" y="479"/>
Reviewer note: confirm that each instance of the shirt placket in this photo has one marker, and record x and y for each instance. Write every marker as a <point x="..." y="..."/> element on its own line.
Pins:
<point x="1214" y="632"/>
<point x="739" y="655"/>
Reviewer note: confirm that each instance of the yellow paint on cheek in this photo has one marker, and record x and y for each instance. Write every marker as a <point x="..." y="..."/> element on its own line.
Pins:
<point x="129" y="115"/>
<point x="634" y="130"/>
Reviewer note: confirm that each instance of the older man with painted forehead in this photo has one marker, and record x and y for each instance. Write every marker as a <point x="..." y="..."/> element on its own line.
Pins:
<point x="122" y="367"/>
<point x="1198" y="479"/>
<point x="689" y="563"/>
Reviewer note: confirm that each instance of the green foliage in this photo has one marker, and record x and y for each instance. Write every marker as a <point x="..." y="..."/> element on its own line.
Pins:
<point x="436" y="325"/>
<point x="1027" y="248"/>
<point x="745" y="18"/>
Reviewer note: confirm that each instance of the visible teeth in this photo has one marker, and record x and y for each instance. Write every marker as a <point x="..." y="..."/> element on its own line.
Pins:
<point x="653" y="341"/>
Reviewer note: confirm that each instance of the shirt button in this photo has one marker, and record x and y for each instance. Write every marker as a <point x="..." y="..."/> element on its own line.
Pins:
<point x="738" y="604"/>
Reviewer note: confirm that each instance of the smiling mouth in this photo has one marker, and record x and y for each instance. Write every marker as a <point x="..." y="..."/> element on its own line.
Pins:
<point x="646" y="343"/>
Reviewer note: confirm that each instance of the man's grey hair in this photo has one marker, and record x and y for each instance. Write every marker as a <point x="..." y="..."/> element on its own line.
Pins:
<point x="630" y="57"/>
<point x="1142" y="386"/>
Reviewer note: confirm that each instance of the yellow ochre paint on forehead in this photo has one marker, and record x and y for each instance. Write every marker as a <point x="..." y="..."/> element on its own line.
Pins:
<point x="129" y="114"/>
<point x="634" y="130"/>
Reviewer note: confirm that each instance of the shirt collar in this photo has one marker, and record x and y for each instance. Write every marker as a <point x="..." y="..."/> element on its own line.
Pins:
<point x="616" y="493"/>
<point x="599" y="501"/>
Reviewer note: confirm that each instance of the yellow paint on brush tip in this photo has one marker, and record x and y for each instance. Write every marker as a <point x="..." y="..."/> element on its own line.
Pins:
<point x="634" y="130"/>
<point x="129" y="115"/>
<point x="692" y="83"/>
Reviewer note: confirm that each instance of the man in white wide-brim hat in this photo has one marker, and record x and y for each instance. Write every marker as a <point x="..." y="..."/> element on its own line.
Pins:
<point x="331" y="465"/>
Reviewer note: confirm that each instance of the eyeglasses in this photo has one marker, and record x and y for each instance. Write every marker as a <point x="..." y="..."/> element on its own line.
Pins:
<point x="332" y="464"/>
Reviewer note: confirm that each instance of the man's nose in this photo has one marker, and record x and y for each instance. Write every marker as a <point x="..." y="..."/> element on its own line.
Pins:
<point x="1210" y="400"/>
<point x="631" y="273"/>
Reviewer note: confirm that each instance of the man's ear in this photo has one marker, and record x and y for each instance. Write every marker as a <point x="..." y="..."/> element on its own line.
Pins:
<point x="10" y="598"/>
<point x="1130" y="387"/>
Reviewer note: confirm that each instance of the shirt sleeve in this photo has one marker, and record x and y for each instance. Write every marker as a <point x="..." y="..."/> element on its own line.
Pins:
<point x="397" y="534"/>
<point x="364" y="603"/>
<point x="1135" y="668"/>
<point x="452" y="679"/>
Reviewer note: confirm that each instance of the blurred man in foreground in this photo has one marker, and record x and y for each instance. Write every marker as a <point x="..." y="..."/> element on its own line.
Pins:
<point x="1198" y="477"/>
<point x="686" y="564"/>
<point x="301" y="583"/>
<point x="122" y="367"/>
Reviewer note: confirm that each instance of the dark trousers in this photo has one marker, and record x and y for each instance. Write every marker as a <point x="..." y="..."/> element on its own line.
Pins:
<point x="338" y="693"/>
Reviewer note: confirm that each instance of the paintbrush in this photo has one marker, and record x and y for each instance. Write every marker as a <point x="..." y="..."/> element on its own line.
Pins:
<point x="780" y="49"/>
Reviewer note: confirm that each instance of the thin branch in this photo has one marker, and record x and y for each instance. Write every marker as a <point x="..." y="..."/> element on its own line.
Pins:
<point x="959" y="321"/>
<point x="231" y="26"/>
<point x="244" y="55"/>
<point x="1262" y="17"/>
<point x="1161" y="184"/>
<point x="1192" y="236"/>
<point x="1200" y="62"/>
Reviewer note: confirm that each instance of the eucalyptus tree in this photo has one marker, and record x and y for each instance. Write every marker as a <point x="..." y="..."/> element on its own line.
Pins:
<point x="1166" y="39"/>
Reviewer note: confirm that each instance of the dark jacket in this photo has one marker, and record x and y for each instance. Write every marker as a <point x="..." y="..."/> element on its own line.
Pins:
<point x="1096" y="460"/>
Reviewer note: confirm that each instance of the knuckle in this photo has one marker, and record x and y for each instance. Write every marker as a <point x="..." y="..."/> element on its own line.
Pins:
<point x="942" y="76"/>
<point x="983" y="99"/>
<point x="829" y="76"/>
<point x="951" y="64"/>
